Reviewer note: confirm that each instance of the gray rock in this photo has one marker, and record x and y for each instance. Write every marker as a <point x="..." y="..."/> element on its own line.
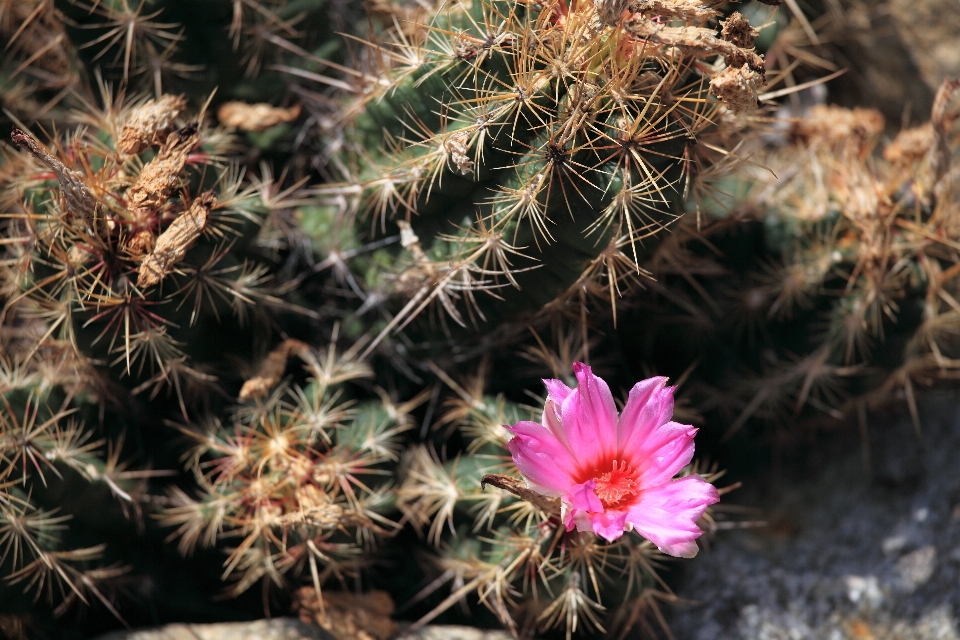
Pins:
<point x="274" y="629"/>
<point x="453" y="632"/>
<point x="848" y="554"/>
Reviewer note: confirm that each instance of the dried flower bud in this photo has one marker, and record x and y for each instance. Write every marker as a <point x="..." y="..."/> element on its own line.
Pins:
<point x="456" y="146"/>
<point x="161" y="175"/>
<point x="737" y="30"/>
<point x="255" y="117"/>
<point x="686" y="10"/>
<point x="141" y="244"/>
<point x="697" y="42"/>
<point x="173" y="244"/>
<point x="150" y="123"/>
<point x="737" y="88"/>
<point x="271" y="371"/>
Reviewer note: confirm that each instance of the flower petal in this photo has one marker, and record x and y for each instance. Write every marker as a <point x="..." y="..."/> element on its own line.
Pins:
<point x="609" y="525"/>
<point x="648" y="407"/>
<point x="583" y="497"/>
<point x="661" y="465"/>
<point x="590" y="418"/>
<point x="557" y="390"/>
<point x="552" y="421"/>
<point x="543" y="460"/>
<point x="667" y="515"/>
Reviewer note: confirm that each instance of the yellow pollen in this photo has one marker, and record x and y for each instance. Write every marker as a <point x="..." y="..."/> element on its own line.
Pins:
<point x="617" y="485"/>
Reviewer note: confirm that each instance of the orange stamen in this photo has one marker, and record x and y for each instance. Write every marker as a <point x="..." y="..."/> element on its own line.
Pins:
<point x="617" y="485"/>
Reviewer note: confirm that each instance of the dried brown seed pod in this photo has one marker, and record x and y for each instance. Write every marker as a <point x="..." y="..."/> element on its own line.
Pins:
<point x="686" y="10"/>
<point x="173" y="244"/>
<point x="161" y="175"/>
<point x="150" y="123"/>
<point x="271" y="370"/>
<point x="737" y="88"/>
<point x="696" y="42"/>
<point x="255" y="117"/>
<point x="737" y="30"/>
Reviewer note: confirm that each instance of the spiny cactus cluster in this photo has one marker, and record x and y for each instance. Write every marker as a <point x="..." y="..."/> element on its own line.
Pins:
<point x="57" y="47"/>
<point x="51" y="555"/>
<point x="130" y="240"/>
<point x="299" y="477"/>
<point x="837" y="288"/>
<point x="527" y="153"/>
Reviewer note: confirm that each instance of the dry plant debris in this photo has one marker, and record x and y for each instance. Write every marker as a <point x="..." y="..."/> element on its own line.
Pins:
<point x="255" y="117"/>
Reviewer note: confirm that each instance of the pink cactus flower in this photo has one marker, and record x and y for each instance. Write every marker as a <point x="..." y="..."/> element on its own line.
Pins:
<point x="615" y="474"/>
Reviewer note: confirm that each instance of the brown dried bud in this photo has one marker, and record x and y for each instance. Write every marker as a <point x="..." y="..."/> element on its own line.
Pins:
<point x="686" y="10"/>
<point x="456" y="147"/>
<point x="161" y="175"/>
<point x="737" y="30"/>
<point x="271" y="370"/>
<point x="80" y="200"/>
<point x="141" y="244"/>
<point x="737" y="88"/>
<point x="697" y="42"/>
<point x="255" y="117"/>
<point x="173" y="244"/>
<point x="150" y="123"/>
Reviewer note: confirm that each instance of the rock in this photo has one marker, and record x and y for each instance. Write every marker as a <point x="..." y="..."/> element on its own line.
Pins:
<point x="916" y="568"/>
<point x="348" y="616"/>
<point x="861" y="557"/>
<point x="274" y="629"/>
<point x="453" y="632"/>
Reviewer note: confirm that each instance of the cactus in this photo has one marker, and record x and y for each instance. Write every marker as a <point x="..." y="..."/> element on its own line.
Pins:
<point x="132" y="238"/>
<point x="527" y="152"/>
<point x="300" y="478"/>
<point x="48" y="452"/>
<point x="40" y="66"/>
<point x="845" y="293"/>
<point x="240" y="52"/>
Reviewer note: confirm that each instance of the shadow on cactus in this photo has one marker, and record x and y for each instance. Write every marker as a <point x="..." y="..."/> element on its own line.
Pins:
<point x="528" y="153"/>
<point x="53" y="466"/>
<point x="547" y="544"/>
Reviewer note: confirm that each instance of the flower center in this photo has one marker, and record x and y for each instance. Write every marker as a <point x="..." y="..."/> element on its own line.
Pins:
<point x="617" y="485"/>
